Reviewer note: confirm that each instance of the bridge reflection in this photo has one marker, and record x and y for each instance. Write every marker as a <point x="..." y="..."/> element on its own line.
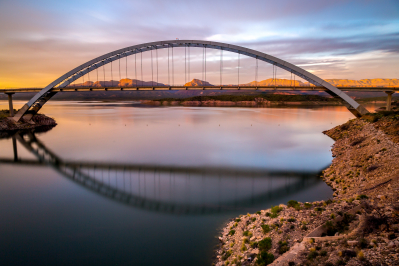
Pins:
<point x="170" y="189"/>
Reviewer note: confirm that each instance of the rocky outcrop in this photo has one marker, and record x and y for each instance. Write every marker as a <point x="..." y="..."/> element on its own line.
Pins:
<point x="364" y="175"/>
<point x="39" y="120"/>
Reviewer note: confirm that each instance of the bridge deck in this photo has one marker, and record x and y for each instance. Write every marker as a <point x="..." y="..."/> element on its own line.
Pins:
<point x="165" y="88"/>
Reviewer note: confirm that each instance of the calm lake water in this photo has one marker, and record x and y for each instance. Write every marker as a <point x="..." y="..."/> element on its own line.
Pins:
<point x="120" y="184"/>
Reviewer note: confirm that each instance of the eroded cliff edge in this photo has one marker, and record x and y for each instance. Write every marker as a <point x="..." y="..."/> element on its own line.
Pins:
<point x="358" y="226"/>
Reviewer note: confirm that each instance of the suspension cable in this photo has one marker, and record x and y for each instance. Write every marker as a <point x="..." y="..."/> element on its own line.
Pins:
<point x="205" y="62"/>
<point x="126" y="66"/>
<point x="221" y="62"/>
<point x="88" y="74"/>
<point x="156" y="54"/>
<point x="238" y="70"/>
<point x="185" y="65"/>
<point x="203" y="48"/>
<point x="104" y="72"/>
<point x="112" y="76"/>
<point x="256" y="72"/>
<point x="173" y="68"/>
<point x="97" y="75"/>
<point x="142" y="80"/>
<point x="135" y="67"/>
<point x="152" y="71"/>
<point x="168" y="66"/>
<point x="188" y="63"/>
<point x="120" y="76"/>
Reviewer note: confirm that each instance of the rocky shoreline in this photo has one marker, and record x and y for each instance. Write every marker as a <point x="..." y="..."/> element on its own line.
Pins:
<point x="9" y="126"/>
<point x="358" y="226"/>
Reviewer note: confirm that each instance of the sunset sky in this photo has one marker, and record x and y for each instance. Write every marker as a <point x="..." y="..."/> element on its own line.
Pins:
<point x="42" y="39"/>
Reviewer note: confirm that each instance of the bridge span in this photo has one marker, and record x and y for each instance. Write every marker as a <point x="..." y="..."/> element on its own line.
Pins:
<point x="35" y="104"/>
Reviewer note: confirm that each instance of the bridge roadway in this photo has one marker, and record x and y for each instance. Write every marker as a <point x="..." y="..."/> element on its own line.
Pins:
<point x="224" y="87"/>
<point x="388" y="90"/>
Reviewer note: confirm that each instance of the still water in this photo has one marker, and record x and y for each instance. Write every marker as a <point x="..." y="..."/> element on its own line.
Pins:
<point x="123" y="184"/>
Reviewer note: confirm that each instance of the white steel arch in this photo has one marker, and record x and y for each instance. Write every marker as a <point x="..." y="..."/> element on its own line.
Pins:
<point x="35" y="104"/>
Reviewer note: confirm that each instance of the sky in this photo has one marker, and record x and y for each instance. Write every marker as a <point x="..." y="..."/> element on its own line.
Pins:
<point x="42" y="39"/>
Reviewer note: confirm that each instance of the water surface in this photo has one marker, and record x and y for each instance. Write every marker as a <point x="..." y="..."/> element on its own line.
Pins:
<point x="118" y="184"/>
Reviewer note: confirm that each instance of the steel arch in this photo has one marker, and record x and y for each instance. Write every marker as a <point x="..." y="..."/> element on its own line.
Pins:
<point x="35" y="104"/>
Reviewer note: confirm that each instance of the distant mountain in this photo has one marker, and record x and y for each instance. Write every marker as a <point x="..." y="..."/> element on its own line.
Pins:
<point x="364" y="82"/>
<point x="197" y="82"/>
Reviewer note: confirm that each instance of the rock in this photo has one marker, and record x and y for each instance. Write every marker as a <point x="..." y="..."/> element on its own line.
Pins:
<point x="353" y="243"/>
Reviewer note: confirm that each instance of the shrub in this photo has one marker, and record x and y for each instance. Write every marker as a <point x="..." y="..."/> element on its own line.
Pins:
<point x="332" y="216"/>
<point x="238" y="220"/>
<point x="360" y="255"/>
<point x="247" y="233"/>
<point x="245" y="240"/>
<point x="292" y="226"/>
<point x="226" y="255"/>
<point x="265" y="244"/>
<point x="258" y="212"/>
<point x="307" y="205"/>
<point x="323" y="253"/>
<point x="253" y="219"/>
<point x="254" y="244"/>
<point x="391" y="236"/>
<point x="362" y="196"/>
<point x="348" y="253"/>
<point x="318" y="209"/>
<point x="292" y="203"/>
<point x="265" y="228"/>
<point x="291" y="220"/>
<point x="243" y="247"/>
<point x="363" y="243"/>
<point x="313" y="254"/>
<point x="232" y="232"/>
<point x="265" y="258"/>
<point x="282" y="247"/>
<point x="276" y="209"/>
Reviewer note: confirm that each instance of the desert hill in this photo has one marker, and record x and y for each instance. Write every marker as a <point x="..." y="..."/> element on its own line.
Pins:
<point x="267" y="82"/>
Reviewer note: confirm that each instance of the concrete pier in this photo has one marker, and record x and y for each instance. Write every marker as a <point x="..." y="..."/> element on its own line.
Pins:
<point x="10" y="105"/>
<point x="389" y="100"/>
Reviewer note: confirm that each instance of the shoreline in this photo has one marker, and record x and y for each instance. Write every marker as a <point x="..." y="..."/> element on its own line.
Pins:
<point x="358" y="226"/>
<point x="8" y="126"/>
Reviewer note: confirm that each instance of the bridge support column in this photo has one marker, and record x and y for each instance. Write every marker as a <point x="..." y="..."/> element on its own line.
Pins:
<point x="11" y="107"/>
<point x="14" y="146"/>
<point x="389" y="100"/>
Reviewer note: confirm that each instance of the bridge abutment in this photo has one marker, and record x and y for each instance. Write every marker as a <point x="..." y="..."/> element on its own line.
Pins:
<point x="10" y="105"/>
<point x="389" y="100"/>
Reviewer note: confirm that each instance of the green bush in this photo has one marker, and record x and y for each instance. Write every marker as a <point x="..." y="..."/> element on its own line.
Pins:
<point x="291" y="220"/>
<point x="265" y="244"/>
<point x="238" y="220"/>
<point x="232" y="232"/>
<point x="313" y="254"/>
<point x="307" y="205"/>
<point x="253" y="219"/>
<point x="226" y="255"/>
<point x="265" y="228"/>
<point x="292" y="203"/>
<point x="362" y="196"/>
<point x="282" y="247"/>
<point x="264" y="258"/>
<point x="247" y="233"/>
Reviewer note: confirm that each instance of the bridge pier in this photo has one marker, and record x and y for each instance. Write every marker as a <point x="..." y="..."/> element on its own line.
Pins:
<point x="11" y="107"/>
<point x="389" y="100"/>
<point x="14" y="146"/>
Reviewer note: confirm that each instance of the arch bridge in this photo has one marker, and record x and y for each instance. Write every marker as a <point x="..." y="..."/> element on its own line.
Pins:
<point x="36" y="103"/>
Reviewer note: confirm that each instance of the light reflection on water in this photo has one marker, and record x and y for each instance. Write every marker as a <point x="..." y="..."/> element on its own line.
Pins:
<point x="205" y="164"/>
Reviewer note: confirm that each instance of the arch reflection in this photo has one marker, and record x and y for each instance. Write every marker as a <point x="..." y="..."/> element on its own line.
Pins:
<point x="170" y="189"/>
